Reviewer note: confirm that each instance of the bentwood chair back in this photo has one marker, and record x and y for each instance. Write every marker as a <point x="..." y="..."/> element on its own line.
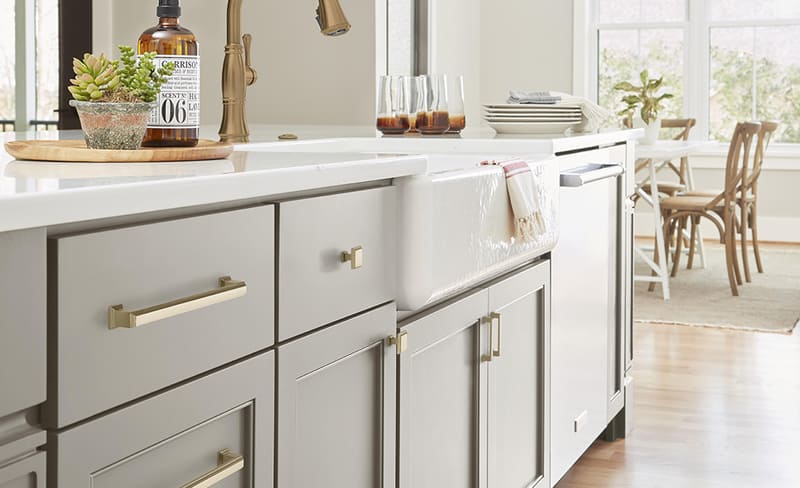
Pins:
<point x="749" y="198"/>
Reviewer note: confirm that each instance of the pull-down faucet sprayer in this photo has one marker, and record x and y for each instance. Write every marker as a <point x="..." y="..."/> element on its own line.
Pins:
<point x="238" y="74"/>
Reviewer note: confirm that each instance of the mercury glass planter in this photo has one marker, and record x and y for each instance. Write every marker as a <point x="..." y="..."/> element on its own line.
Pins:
<point x="111" y="125"/>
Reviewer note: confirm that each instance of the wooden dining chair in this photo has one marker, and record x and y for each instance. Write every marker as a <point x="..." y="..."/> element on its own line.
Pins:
<point x="719" y="209"/>
<point x="747" y="200"/>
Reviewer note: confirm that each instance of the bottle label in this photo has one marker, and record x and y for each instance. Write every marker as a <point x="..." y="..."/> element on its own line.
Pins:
<point x="179" y="100"/>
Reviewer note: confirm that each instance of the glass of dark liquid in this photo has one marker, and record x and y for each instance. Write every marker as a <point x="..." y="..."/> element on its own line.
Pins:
<point x="418" y="102"/>
<point x="456" y="105"/>
<point x="393" y="96"/>
<point x="436" y="118"/>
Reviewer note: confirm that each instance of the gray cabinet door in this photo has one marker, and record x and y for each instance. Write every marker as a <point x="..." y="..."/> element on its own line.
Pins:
<point x="179" y="436"/>
<point x="518" y="381"/>
<point x="25" y="473"/>
<point x="23" y="311"/>
<point x="442" y="418"/>
<point x="336" y="405"/>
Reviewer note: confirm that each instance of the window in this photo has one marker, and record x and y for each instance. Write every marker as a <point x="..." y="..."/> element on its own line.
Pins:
<point x="29" y="58"/>
<point x="725" y="60"/>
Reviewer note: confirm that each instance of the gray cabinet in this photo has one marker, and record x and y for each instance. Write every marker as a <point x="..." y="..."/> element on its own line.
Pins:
<point x="24" y="473"/>
<point x="23" y="312"/>
<point x="218" y="427"/>
<point x="337" y="252"/>
<point x="336" y="405"/>
<point x="519" y="384"/>
<point x="140" y="308"/>
<point x="443" y="397"/>
<point x="474" y="393"/>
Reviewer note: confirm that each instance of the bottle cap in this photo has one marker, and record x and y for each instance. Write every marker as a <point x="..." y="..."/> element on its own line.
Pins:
<point x="168" y="8"/>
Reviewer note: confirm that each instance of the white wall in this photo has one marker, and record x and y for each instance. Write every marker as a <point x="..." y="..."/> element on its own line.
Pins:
<point x="526" y="45"/>
<point x="304" y="77"/>
<point x="455" y="35"/>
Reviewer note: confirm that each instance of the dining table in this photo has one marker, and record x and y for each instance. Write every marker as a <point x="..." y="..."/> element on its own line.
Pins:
<point x="650" y="159"/>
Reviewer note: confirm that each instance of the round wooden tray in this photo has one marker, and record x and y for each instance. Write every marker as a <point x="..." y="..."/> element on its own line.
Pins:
<point x="76" y="151"/>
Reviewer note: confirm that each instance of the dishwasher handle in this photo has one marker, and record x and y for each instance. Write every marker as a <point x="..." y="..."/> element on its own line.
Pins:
<point x="589" y="173"/>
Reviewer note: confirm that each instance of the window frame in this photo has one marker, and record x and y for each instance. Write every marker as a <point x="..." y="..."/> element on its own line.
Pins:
<point x="697" y="52"/>
<point x="74" y="38"/>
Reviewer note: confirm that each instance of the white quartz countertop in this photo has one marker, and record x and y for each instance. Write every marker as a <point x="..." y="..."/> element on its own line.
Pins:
<point x="36" y="194"/>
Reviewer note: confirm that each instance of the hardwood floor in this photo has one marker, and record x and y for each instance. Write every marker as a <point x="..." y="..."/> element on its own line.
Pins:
<point x="713" y="408"/>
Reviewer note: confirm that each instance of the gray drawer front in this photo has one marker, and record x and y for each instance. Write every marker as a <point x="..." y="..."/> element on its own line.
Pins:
<point x="98" y="368"/>
<point x="23" y="308"/>
<point x="26" y="473"/>
<point x="316" y="287"/>
<point x="174" y="438"/>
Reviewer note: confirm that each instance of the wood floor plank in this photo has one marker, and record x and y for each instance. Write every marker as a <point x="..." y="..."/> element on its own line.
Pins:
<point x="713" y="408"/>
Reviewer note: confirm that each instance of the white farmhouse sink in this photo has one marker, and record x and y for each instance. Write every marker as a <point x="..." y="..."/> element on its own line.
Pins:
<point x="455" y="223"/>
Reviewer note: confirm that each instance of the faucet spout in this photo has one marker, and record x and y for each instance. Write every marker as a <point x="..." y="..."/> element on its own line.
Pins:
<point x="237" y="75"/>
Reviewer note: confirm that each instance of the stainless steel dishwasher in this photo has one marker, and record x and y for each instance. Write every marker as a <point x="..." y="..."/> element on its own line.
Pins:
<point x="588" y="322"/>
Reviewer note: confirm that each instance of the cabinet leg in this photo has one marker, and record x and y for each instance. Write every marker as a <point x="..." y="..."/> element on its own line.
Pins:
<point x="616" y="428"/>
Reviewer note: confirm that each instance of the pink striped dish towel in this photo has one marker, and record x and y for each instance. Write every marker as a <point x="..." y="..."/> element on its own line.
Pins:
<point x="523" y="193"/>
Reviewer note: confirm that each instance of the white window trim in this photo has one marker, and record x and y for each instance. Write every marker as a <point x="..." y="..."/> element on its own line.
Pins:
<point x="696" y="101"/>
<point x="24" y="64"/>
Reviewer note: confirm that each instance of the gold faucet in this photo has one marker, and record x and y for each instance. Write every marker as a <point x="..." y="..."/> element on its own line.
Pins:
<point x="237" y="75"/>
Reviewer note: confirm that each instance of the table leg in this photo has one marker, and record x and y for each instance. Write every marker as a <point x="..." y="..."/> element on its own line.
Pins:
<point x="660" y="241"/>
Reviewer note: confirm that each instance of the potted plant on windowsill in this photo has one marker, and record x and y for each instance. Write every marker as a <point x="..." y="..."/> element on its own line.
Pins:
<point x="114" y="99"/>
<point x="646" y="99"/>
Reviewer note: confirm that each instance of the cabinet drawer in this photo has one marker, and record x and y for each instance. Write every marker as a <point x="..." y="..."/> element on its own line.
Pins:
<point x="177" y="437"/>
<point x="316" y="285"/>
<point x="22" y="320"/>
<point x="25" y="473"/>
<point x="189" y="323"/>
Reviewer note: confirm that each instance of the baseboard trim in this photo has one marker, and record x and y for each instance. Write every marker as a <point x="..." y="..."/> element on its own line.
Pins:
<point x="770" y="229"/>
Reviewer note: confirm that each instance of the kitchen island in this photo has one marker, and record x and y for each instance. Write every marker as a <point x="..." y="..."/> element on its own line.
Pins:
<point x="239" y="319"/>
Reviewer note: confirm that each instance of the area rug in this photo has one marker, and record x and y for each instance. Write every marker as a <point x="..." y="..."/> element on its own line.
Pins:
<point x="702" y="297"/>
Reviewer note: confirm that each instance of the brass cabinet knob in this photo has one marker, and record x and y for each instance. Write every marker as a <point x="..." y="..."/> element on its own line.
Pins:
<point x="355" y="257"/>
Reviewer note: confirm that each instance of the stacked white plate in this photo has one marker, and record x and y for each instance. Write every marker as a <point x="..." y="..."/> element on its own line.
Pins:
<point x="532" y="119"/>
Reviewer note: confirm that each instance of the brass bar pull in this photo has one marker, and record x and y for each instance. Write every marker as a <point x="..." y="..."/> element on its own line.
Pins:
<point x="487" y="358"/>
<point x="229" y="289"/>
<point x="228" y="463"/>
<point x="496" y="316"/>
<point x="355" y="257"/>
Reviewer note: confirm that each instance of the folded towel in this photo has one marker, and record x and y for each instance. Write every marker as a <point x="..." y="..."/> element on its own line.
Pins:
<point x="523" y="193"/>
<point x="532" y="98"/>
<point x="594" y="116"/>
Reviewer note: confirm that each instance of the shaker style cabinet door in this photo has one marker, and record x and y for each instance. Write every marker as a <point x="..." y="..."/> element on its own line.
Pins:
<point x="518" y="382"/>
<point x="25" y="473"/>
<point x="336" y="405"/>
<point x="23" y="310"/>
<point x="443" y="402"/>
<point x="216" y="430"/>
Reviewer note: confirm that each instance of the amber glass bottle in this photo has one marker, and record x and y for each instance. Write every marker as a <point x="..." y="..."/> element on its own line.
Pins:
<point x="176" y="120"/>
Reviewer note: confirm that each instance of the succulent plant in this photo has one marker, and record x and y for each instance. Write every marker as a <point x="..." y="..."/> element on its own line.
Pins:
<point x="94" y="77"/>
<point x="141" y="77"/>
<point x="97" y="79"/>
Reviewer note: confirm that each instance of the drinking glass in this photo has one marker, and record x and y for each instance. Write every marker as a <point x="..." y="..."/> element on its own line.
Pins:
<point x="418" y="102"/>
<point x="458" y="119"/>
<point x="437" y="118"/>
<point x="393" y="95"/>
